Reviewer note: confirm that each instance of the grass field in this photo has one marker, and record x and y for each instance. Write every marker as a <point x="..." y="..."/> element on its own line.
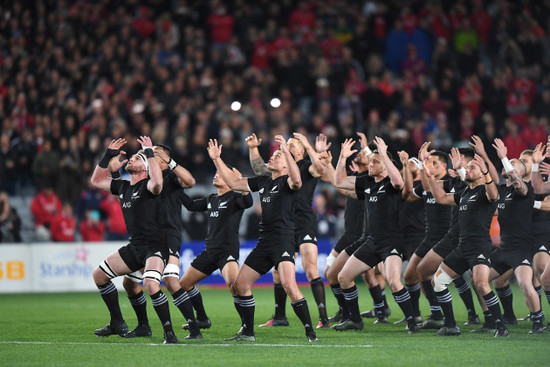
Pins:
<point x="57" y="329"/>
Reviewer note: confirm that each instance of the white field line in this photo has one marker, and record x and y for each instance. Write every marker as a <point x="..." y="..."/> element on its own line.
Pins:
<point x="234" y="344"/>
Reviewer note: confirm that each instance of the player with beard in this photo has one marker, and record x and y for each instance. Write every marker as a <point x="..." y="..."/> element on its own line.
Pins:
<point x="141" y="207"/>
<point x="276" y="244"/>
<point x="515" y="208"/>
<point x="382" y="201"/>
<point x="306" y="223"/>
<point x="476" y="207"/>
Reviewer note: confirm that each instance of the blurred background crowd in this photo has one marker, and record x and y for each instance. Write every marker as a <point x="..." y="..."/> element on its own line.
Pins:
<point x="75" y="74"/>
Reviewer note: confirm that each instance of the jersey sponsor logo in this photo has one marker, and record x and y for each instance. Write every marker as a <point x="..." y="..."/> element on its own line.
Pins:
<point x="214" y="214"/>
<point x="285" y="254"/>
<point x="266" y="199"/>
<point x="430" y="201"/>
<point x="230" y="258"/>
<point x="526" y="262"/>
<point x="373" y="199"/>
<point x="463" y="208"/>
<point x="223" y="205"/>
<point x="126" y="205"/>
<point x="481" y="257"/>
<point x="501" y="206"/>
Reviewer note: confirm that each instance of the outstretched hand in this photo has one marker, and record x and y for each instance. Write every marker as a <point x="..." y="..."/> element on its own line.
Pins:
<point x="145" y="142"/>
<point x="423" y="153"/>
<point x="347" y="150"/>
<point x="321" y="143"/>
<point x="501" y="149"/>
<point x="456" y="159"/>
<point x="477" y="144"/>
<point x="538" y="153"/>
<point x="252" y="141"/>
<point x="214" y="150"/>
<point x="279" y="139"/>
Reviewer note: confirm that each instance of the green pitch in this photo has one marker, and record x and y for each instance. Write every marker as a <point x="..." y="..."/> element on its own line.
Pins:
<point x="57" y="330"/>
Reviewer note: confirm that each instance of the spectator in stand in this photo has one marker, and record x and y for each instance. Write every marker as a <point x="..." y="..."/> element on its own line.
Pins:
<point x="513" y="140"/>
<point x="45" y="206"/>
<point x="63" y="225"/>
<point x="412" y="63"/>
<point x="534" y="132"/>
<point x="433" y="106"/>
<point x="116" y="228"/>
<point x="10" y="222"/>
<point x="469" y="96"/>
<point x="221" y="24"/>
<point x="302" y="19"/>
<point x="92" y="228"/>
<point x="46" y="165"/>
<point x="518" y="104"/>
<point x="8" y="165"/>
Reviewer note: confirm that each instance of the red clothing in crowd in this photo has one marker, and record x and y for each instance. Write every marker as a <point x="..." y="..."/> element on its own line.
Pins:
<point x="261" y="54"/>
<point x="518" y="108"/>
<point x="111" y="207"/>
<point x="92" y="231"/>
<point x="470" y="99"/>
<point x="514" y="144"/>
<point x="221" y="27"/>
<point x="481" y="21"/>
<point x="301" y="19"/>
<point x="45" y="207"/>
<point x="63" y="228"/>
<point x="533" y="135"/>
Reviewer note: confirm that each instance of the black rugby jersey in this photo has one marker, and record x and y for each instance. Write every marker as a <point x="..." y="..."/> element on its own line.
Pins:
<point x="515" y="216"/>
<point x="170" y="221"/>
<point x="457" y="186"/>
<point x="278" y="202"/>
<point x="475" y="213"/>
<point x="412" y="217"/>
<point x="354" y="213"/>
<point x="141" y="210"/>
<point x="304" y="211"/>
<point x="382" y="205"/>
<point x="224" y="216"/>
<point x="437" y="216"/>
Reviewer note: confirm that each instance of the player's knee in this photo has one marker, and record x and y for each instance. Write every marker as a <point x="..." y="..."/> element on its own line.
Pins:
<point x="395" y="284"/>
<point x="344" y="280"/>
<point x="481" y="285"/>
<point x="410" y="276"/>
<point x="172" y="284"/>
<point x="99" y="276"/>
<point x="441" y="280"/>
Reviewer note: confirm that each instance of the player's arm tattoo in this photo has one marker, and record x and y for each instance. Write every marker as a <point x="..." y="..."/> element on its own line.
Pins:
<point x="517" y="182"/>
<point x="348" y="193"/>
<point x="259" y="167"/>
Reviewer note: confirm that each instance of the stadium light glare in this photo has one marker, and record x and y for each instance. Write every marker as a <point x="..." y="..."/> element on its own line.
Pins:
<point x="235" y="106"/>
<point x="275" y="102"/>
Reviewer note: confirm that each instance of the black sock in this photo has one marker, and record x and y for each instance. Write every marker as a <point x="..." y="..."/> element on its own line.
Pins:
<point x="110" y="297"/>
<point x="237" y="303"/>
<point x="507" y="299"/>
<point x="547" y="296"/>
<point x="302" y="311"/>
<point x="196" y="301"/>
<point x="182" y="302"/>
<point x="446" y="302"/>
<point x="383" y="292"/>
<point x="489" y="320"/>
<point x="248" y="306"/>
<point x="139" y="303"/>
<point x="403" y="299"/>
<point x="280" y="301"/>
<point x="337" y="291"/>
<point x="492" y="304"/>
<point x="414" y="291"/>
<point x="536" y="317"/>
<point x="465" y="293"/>
<point x="318" y="290"/>
<point x="378" y="300"/>
<point x="160" y="303"/>
<point x="435" y="308"/>
<point x="352" y="300"/>
<point x="539" y="292"/>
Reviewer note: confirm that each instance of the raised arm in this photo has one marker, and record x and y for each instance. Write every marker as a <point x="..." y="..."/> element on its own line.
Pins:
<point x="185" y="177"/>
<point x="258" y="165"/>
<point x="539" y="185"/>
<point x="194" y="205"/>
<point x="393" y="172"/>
<point x="477" y="144"/>
<point x="456" y="161"/>
<point x="230" y="178"/>
<point x="294" y="177"/>
<point x="316" y="169"/>
<point x="491" y="189"/>
<point x="407" y="177"/>
<point x="440" y="196"/>
<point x="341" y="179"/>
<point x="155" y="174"/>
<point x="101" y="178"/>
<point x="543" y="205"/>
<point x="519" y="186"/>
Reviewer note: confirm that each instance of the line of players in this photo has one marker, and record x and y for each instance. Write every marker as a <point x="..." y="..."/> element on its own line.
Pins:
<point x="446" y="242"/>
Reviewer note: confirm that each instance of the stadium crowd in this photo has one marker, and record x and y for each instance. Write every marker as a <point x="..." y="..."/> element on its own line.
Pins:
<point x="75" y="74"/>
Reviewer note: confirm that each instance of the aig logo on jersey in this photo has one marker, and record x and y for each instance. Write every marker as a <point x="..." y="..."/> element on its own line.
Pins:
<point x="126" y="205"/>
<point x="373" y="199"/>
<point x="214" y="214"/>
